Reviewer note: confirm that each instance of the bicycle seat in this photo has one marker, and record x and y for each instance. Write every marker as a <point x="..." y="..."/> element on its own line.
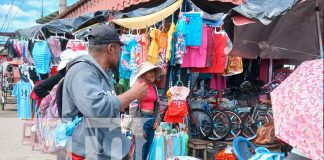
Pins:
<point x="244" y="109"/>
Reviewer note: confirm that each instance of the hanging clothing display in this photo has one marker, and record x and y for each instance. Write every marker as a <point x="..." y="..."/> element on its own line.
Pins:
<point x="178" y="107"/>
<point x="166" y="145"/>
<point x="28" y="56"/>
<point x="55" y="48"/>
<point x="22" y="91"/>
<point x="171" y="31"/>
<point x="18" y="48"/>
<point x="159" y="42"/>
<point x="127" y="59"/>
<point x="42" y="57"/>
<point x="196" y="56"/>
<point x="180" y="42"/>
<point x="218" y="82"/>
<point x="163" y="44"/>
<point x="144" y="42"/>
<point x="79" y="46"/>
<point x="218" y="60"/>
<point x="194" y="28"/>
<point x="11" y="50"/>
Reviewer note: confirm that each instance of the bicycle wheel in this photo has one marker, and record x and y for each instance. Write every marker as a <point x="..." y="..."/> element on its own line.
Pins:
<point x="250" y="125"/>
<point x="200" y="122"/>
<point x="222" y="126"/>
<point x="236" y="124"/>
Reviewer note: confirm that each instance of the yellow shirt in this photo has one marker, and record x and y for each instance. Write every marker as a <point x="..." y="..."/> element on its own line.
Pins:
<point x="169" y="48"/>
<point x="153" y="53"/>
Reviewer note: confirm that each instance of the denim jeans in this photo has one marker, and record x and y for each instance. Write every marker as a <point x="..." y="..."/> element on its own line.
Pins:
<point x="149" y="132"/>
<point x="143" y="144"/>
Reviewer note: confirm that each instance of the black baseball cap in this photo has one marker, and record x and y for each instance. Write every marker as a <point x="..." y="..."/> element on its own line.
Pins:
<point x="103" y="34"/>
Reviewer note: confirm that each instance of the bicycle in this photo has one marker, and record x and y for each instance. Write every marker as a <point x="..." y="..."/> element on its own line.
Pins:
<point x="221" y="122"/>
<point x="253" y="117"/>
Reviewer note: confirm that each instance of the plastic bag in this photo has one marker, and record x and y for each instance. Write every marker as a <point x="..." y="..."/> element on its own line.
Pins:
<point x="157" y="150"/>
<point x="262" y="153"/>
<point x="64" y="130"/>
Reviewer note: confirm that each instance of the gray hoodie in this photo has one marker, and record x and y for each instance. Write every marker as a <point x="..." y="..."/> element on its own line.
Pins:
<point x="88" y="91"/>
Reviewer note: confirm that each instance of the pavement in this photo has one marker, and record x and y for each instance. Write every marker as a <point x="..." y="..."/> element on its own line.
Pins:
<point x="11" y="147"/>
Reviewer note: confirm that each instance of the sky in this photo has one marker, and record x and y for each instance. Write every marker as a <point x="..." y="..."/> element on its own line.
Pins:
<point x="27" y="14"/>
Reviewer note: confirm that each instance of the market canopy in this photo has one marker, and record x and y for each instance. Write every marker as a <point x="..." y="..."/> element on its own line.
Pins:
<point x="148" y="20"/>
<point x="67" y="25"/>
<point x="291" y="36"/>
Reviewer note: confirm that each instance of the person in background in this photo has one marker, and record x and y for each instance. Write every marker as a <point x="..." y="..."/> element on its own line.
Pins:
<point x="44" y="87"/>
<point x="145" y="112"/>
<point x="88" y="92"/>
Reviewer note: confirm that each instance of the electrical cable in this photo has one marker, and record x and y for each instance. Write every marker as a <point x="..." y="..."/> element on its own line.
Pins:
<point x="7" y="15"/>
<point x="9" y="24"/>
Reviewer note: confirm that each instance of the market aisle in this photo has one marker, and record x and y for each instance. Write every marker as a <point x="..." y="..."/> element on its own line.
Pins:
<point x="10" y="139"/>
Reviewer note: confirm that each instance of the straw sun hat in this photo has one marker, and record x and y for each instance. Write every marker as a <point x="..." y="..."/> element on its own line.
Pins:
<point x="143" y="68"/>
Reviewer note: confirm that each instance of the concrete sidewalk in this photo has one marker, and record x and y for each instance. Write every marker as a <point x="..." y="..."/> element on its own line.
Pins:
<point x="10" y="138"/>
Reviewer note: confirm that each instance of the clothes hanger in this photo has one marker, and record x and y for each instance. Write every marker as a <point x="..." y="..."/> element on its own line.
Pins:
<point x="137" y="31"/>
<point x="179" y="82"/>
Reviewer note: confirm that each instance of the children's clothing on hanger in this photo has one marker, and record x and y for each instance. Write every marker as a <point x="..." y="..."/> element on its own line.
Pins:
<point x="127" y="61"/>
<point x="22" y="91"/>
<point x="171" y="31"/>
<point x="218" y="82"/>
<point x="144" y="42"/>
<point x="196" y="56"/>
<point x="163" y="44"/>
<point x="42" y="57"/>
<point x="178" y="106"/>
<point x="180" y="39"/>
<point x="194" y="27"/>
<point x="218" y="57"/>
<point x="55" y="48"/>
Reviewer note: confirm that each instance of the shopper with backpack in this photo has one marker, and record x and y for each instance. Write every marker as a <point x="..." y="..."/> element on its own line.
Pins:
<point x="88" y="92"/>
<point x="44" y="88"/>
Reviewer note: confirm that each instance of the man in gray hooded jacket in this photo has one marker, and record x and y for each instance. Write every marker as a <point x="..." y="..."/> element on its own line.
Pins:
<point x="88" y="91"/>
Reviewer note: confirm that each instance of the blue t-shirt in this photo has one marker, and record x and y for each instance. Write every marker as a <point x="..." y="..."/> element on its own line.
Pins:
<point x="42" y="57"/>
<point x="127" y="59"/>
<point x="22" y="91"/>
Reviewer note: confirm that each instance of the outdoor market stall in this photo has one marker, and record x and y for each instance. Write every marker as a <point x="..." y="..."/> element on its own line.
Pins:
<point x="191" y="41"/>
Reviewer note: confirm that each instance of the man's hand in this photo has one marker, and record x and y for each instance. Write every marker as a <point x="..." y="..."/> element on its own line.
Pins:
<point x="139" y="90"/>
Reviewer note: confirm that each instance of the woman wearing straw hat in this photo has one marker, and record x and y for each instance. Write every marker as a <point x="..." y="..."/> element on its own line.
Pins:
<point x="145" y="112"/>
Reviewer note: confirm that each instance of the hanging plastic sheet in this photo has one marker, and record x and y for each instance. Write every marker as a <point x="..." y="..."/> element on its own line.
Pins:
<point x="143" y="11"/>
<point x="148" y="20"/>
<point x="213" y="7"/>
<point x="67" y="25"/>
<point x="276" y="41"/>
<point x="266" y="10"/>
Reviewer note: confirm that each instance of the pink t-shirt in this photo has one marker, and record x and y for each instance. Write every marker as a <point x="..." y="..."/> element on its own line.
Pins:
<point x="196" y="56"/>
<point x="148" y="101"/>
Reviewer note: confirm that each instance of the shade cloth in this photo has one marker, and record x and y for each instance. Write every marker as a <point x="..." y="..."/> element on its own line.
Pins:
<point x="264" y="11"/>
<point x="148" y="20"/>
<point x="298" y="109"/>
<point x="291" y="36"/>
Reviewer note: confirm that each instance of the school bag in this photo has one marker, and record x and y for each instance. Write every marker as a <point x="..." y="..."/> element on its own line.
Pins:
<point x="48" y="117"/>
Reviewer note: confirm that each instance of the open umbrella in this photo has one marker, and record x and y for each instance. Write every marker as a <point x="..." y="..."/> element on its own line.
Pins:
<point x="298" y="109"/>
